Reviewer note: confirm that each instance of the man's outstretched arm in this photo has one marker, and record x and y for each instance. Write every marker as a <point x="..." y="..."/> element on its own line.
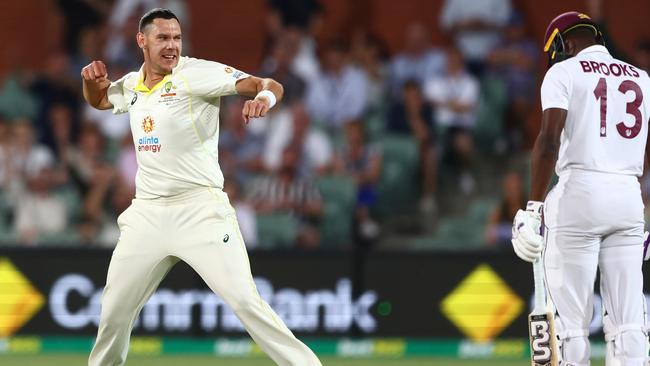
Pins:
<point x="95" y="85"/>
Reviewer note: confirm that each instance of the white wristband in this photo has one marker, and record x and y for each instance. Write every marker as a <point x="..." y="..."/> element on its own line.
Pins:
<point x="269" y="95"/>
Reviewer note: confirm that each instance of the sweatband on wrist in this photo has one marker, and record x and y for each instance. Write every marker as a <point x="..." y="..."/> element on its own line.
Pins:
<point x="269" y="95"/>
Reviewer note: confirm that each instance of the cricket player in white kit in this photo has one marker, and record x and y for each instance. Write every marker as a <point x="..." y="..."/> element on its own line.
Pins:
<point x="594" y="130"/>
<point x="180" y="211"/>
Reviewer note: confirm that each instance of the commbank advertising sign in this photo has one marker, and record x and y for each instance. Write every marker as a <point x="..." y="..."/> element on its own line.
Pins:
<point x="476" y="296"/>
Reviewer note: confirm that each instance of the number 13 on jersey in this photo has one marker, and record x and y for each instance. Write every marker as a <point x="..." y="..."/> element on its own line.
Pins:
<point x="632" y="108"/>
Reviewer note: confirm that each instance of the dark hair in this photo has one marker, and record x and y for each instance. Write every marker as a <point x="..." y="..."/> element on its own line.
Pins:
<point x="156" y="13"/>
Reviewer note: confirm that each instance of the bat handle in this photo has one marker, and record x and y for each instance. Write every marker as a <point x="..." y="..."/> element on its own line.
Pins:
<point x="540" y="288"/>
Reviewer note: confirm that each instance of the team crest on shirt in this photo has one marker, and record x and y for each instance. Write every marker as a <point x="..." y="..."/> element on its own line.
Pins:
<point x="148" y="124"/>
<point x="168" y="94"/>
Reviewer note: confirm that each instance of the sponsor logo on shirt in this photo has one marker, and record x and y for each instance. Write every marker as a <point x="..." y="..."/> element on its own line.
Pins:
<point x="135" y="98"/>
<point x="148" y="124"/>
<point x="149" y="143"/>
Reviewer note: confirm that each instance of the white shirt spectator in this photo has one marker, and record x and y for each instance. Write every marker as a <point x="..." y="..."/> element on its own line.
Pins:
<point x="420" y="68"/>
<point x="40" y="214"/>
<point x="476" y="44"/>
<point x="113" y="126"/>
<point x="336" y="99"/>
<point x="317" y="150"/>
<point x="462" y="88"/>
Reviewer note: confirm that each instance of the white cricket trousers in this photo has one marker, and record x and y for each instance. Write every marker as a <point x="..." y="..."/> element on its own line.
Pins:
<point x="595" y="220"/>
<point x="200" y="228"/>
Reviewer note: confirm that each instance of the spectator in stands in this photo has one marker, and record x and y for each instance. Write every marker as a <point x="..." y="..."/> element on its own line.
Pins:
<point x="369" y="53"/>
<point x="514" y="62"/>
<point x="246" y="215"/>
<point x="27" y="156"/>
<point x="88" y="49"/>
<point x="285" y="193"/>
<point x="120" y="50"/>
<point x="418" y="61"/>
<point x="299" y="22"/>
<point x="362" y="161"/>
<point x="278" y="67"/>
<point x="476" y="27"/>
<point x="340" y="93"/>
<point x="455" y="97"/>
<point x="94" y="178"/>
<point x="80" y="15"/>
<point x="413" y="116"/>
<point x="292" y="127"/>
<point x="37" y="211"/>
<point x="54" y="86"/>
<point x="499" y="225"/>
<point x="16" y="100"/>
<point x="60" y="123"/>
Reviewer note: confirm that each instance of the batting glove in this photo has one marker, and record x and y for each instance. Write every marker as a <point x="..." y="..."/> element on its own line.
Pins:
<point x="646" y="243"/>
<point x="527" y="239"/>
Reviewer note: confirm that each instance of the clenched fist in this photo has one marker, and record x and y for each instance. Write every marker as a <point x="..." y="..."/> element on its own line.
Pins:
<point x="255" y="108"/>
<point x="94" y="71"/>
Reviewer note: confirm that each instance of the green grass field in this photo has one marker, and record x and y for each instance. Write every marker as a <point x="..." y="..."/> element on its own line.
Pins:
<point x="80" y="360"/>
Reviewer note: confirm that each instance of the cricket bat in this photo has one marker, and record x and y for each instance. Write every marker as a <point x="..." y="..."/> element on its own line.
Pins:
<point x="541" y="327"/>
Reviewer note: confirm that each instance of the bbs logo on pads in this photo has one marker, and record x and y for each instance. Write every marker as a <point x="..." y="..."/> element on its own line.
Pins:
<point x="147" y="124"/>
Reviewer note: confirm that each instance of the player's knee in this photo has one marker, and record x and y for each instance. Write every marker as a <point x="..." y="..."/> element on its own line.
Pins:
<point x="244" y="302"/>
<point x="575" y="350"/>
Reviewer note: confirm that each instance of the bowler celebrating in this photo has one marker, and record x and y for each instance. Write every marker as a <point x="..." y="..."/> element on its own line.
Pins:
<point x="180" y="211"/>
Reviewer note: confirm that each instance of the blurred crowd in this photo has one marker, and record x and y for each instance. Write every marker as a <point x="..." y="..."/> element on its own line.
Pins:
<point x="409" y="149"/>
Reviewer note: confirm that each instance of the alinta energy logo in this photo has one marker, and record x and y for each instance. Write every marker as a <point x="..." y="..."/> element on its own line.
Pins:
<point x="149" y="143"/>
<point x="147" y="124"/>
<point x="482" y="305"/>
<point x="19" y="299"/>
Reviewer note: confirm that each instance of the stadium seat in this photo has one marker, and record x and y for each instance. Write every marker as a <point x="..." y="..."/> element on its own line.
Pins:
<point x="339" y="197"/>
<point x="490" y="114"/>
<point x="276" y="230"/>
<point x="398" y="186"/>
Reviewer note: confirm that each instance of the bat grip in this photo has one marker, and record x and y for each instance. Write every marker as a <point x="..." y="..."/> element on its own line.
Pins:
<point x="540" y="288"/>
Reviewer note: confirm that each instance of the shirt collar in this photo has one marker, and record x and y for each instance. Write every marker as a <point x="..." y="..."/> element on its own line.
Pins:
<point x="594" y="48"/>
<point x="139" y="86"/>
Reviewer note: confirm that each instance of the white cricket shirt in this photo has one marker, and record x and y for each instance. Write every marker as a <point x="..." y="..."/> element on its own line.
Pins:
<point x="607" y="103"/>
<point x="175" y="125"/>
